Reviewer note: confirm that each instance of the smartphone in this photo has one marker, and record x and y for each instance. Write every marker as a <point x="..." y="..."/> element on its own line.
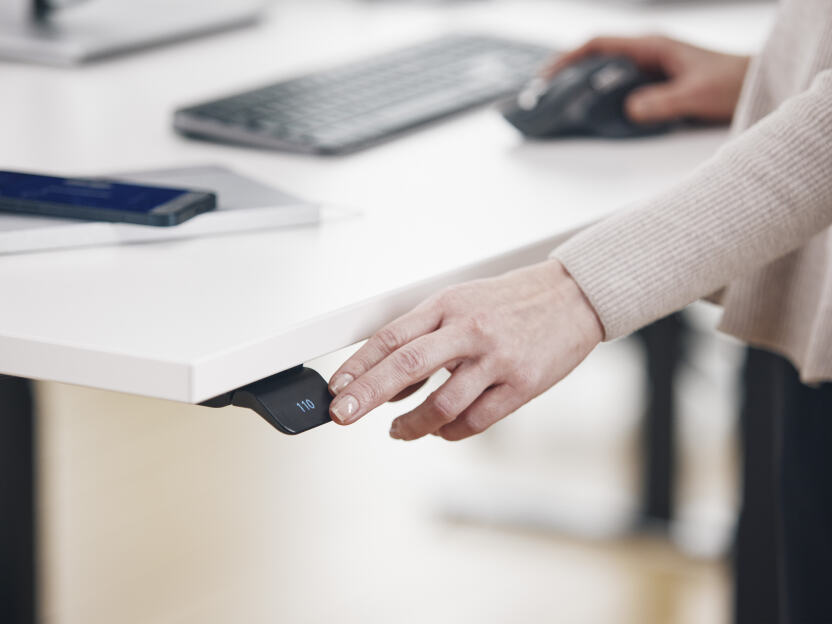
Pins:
<point x="100" y="199"/>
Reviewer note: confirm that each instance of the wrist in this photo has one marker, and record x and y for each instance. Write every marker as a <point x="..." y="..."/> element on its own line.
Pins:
<point x="570" y="294"/>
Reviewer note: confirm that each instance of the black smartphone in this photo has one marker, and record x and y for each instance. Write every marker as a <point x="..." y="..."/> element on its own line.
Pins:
<point x="100" y="199"/>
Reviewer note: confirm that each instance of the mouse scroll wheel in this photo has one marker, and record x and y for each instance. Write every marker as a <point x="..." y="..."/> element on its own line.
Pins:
<point x="528" y="98"/>
<point x="608" y="78"/>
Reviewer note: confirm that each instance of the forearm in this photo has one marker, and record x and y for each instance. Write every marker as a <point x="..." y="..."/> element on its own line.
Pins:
<point x="761" y="196"/>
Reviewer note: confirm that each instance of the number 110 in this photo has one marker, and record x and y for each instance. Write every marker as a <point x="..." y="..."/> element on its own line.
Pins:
<point x="305" y="405"/>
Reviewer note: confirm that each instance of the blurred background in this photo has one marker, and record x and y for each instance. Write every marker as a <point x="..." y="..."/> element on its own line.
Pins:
<point x="573" y="510"/>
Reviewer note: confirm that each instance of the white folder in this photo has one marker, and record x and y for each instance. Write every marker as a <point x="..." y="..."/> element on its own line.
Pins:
<point x="243" y="205"/>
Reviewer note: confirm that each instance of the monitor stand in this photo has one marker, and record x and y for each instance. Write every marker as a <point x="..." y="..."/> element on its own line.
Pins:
<point x="106" y="27"/>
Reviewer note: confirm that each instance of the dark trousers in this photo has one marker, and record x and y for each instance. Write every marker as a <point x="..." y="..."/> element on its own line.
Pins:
<point x="806" y="488"/>
<point x="784" y="542"/>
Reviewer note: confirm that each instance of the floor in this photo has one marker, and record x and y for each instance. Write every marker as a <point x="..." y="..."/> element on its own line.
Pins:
<point x="155" y="512"/>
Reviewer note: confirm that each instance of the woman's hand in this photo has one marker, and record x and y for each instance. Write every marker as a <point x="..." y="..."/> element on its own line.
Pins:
<point x="505" y="340"/>
<point x="701" y="83"/>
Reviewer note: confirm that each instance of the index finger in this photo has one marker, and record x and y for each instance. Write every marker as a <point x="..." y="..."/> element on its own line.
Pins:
<point x="412" y="363"/>
<point x="646" y="52"/>
<point x="421" y="320"/>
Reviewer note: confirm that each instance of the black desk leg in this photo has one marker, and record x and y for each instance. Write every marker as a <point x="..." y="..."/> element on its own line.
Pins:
<point x="18" y="595"/>
<point x="663" y="343"/>
<point x="758" y="597"/>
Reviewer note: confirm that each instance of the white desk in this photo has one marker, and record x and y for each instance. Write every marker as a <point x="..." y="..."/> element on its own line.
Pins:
<point x="466" y="198"/>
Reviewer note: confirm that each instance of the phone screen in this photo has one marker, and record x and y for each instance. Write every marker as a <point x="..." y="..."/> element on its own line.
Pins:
<point x="79" y="192"/>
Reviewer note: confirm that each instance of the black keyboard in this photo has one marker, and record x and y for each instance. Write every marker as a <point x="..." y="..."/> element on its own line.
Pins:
<point x="346" y="108"/>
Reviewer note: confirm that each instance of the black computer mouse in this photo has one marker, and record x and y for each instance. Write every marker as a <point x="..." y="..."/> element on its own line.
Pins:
<point x="584" y="99"/>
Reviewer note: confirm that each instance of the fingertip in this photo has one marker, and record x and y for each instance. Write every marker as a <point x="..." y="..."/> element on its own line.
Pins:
<point x="635" y="108"/>
<point x="450" y="433"/>
<point x="407" y="429"/>
<point x="344" y="410"/>
<point x="334" y="418"/>
<point x="340" y="381"/>
<point x="658" y="104"/>
<point x="642" y="108"/>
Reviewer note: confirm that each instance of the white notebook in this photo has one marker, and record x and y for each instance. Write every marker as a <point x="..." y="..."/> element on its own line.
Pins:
<point x="243" y="204"/>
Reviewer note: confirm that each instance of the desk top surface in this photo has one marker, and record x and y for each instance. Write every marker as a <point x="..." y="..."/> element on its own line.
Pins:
<point x="464" y="198"/>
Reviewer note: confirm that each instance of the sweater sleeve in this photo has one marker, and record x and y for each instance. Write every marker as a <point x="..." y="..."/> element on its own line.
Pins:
<point x="761" y="196"/>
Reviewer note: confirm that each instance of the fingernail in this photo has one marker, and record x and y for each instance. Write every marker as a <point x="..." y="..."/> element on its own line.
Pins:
<point x="339" y="382"/>
<point x="344" y="409"/>
<point x="394" y="430"/>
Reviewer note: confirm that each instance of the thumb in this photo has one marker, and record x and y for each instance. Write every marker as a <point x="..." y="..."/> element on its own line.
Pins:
<point x="657" y="103"/>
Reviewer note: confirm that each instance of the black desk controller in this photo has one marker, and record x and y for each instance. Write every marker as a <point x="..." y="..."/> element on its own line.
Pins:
<point x="293" y="401"/>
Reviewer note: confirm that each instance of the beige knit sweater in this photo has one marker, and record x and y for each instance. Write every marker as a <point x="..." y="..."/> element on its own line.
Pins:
<point x="755" y="219"/>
